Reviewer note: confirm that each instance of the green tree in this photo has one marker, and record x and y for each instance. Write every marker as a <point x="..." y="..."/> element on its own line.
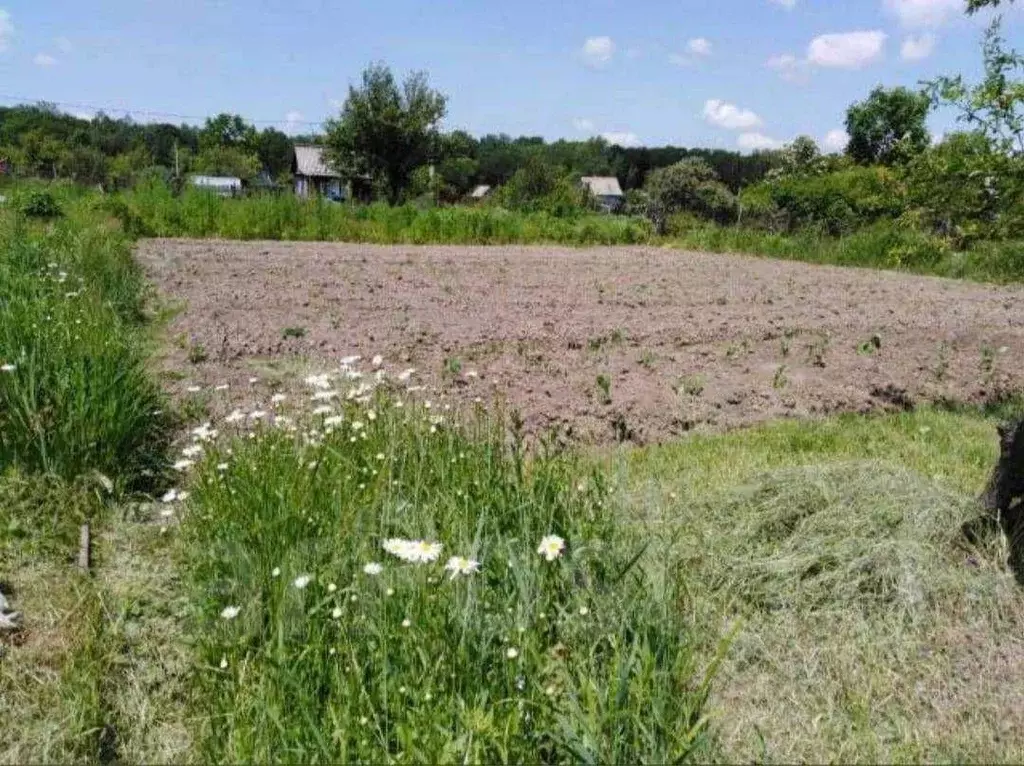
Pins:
<point x="888" y="127"/>
<point x="275" y="152"/>
<point x="689" y="185"/>
<point x="386" y="131"/>
<point x="124" y="169"/>
<point x="226" y="161"/>
<point x="995" y="106"/>
<point x="227" y="130"/>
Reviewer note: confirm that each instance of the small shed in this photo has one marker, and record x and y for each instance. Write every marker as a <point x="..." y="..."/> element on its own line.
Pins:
<point x="480" y="192"/>
<point x="225" y="186"/>
<point x="314" y="176"/>
<point x="606" y="190"/>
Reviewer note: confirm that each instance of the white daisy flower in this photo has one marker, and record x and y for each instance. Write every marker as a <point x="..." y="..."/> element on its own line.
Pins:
<point x="551" y="547"/>
<point x="183" y="496"/>
<point x="222" y="467"/>
<point x="235" y="417"/>
<point x="406" y="623"/>
<point x="277" y="398"/>
<point x="404" y="375"/>
<point x="193" y="451"/>
<point x="319" y="381"/>
<point x="358" y="425"/>
<point x="223" y="663"/>
<point x="204" y="432"/>
<point x="194" y="389"/>
<point x="511" y="652"/>
<point x="348" y="361"/>
<point x="323" y="409"/>
<point x="257" y="414"/>
<point x="302" y="581"/>
<point x="336" y="613"/>
<point x="459" y="565"/>
<point x="230" y="612"/>
<point x="584" y="611"/>
<point x="377" y="361"/>
<point x="253" y="381"/>
<point x="331" y="587"/>
<point x="221" y="387"/>
<point x="276" y="572"/>
<point x="334" y="420"/>
<point x="182" y="465"/>
<point x="325" y="395"/>
<point x="373" y="568"/>
<point x="169" y="496"/>
<point x="8" y="367"/>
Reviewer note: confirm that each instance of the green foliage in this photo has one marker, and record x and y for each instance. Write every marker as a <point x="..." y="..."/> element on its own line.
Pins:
<point x="690" y="185"/>
<point x="538" y="186"/>
<point x="386" y="131"/>
<point x="967" y="189"/>
<point x="833" y="203"/>
<point x="583" y="657"/>
<point x="226" y="161"/>
<point x="995" y="106"/>
<point x="888" y="127"/>
<point x="39" y="203"/>
<point x="75" y="394"/>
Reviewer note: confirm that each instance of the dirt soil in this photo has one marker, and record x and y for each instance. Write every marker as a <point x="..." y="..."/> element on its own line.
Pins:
<point x="624" y="343"/>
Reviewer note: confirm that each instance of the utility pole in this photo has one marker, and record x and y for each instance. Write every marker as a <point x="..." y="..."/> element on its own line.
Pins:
<point x="177" y="171"/>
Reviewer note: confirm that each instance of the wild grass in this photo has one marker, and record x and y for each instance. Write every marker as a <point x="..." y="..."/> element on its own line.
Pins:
<point x="154" y="211"/>
<point x="883" y="245"/>
<point x="584" y="656"/>
<point x="74" y="391"/>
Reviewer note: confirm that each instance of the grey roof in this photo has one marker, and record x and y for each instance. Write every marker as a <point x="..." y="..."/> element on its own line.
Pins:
<point x="602" y="186"/>
<point x="481" y="191"/>
<point x="309" y="161"/>
<point x="224" y="182"/>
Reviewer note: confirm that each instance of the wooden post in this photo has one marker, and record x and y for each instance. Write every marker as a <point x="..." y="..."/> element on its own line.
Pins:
<point x="84" y="547"/>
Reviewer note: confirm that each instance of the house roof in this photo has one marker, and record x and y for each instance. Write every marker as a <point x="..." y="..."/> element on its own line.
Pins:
<point x="602" y="186"/>
<point x="309" y="161"/>
<point x="481" y="191"/>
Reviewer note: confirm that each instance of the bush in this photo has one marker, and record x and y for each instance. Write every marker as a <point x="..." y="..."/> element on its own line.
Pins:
<point x="39" y="203"/>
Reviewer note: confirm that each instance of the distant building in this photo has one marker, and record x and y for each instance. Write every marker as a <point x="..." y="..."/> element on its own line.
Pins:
<point x="480" y="191"/>
<point x="225" y="186"/>
<point x="313" y="176"/>
<point x="606" y="191"/>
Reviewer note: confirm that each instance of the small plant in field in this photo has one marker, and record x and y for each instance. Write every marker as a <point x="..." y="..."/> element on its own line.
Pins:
<point x="941" y="368"/>
<point x="779" y="380"/>
<point x="691" y="385"/>
<point x="784" y="346"/>
<point x="40" y="203"/>
<point x="293" y="332"/>
<point x="604" y="385"/>
<point x="987" y="365"/>
<point x="647" y="359"/>
<point x="817" y="350"/>
<point x="197" y="353"/>
<point x="870" y="346"/>
<point x="452" y="366"/>
<point x="732" y="351"/>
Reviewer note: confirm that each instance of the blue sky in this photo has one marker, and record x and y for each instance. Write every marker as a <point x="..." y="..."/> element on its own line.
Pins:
<point x="723" y="73"/>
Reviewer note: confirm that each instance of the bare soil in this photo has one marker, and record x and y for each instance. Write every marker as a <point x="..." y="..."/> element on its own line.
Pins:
<point x="624" y="343"/>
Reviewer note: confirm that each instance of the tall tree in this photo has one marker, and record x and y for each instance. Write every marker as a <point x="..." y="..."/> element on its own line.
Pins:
<point x="888" y="127"/>
<point x="386" y="131"/>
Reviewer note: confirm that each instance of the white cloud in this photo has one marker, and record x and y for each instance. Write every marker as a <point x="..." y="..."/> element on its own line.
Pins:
<point x="750" y="142"/>
<point x="787" y="4"/>
<point x="583" y="125"/>
<point x="789" y="67"/>
<point x="836" y="140"/>
<point x="598" y="51"/>
<point x="849" y="50"/>
<point x="917" y="48"/>
<point x="924" y="13"/>
<point x="729" y="116"/>
<point x="63" y="44"/>
<point x="44" y="60"/>
<point x="621" y="138"/>
<point x="6" y="30"/>
<point x="293" y="122"/>
<point x="699" y="46"/>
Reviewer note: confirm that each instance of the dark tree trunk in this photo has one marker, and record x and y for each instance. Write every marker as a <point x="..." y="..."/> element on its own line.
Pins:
<point x="1003" y="497"/>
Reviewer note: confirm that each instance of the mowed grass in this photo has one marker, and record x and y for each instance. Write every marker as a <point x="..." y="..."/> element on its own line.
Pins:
<point x="872" y="630"/>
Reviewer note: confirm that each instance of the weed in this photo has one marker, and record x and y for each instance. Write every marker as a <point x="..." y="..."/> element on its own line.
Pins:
<point x="197" y="353"/>
<point x="941" y="368"/>
<point x="647" y="359"/>
<point x="779" y="380"/>
<point x="817" y="350"/>
<point x="452" y="366"/>
<point x="604" y="385"/>
<point x="691" y="385"/>
<point x="870" y="346"/>
<point x="987" y="365"/>
<point x="293" y="332"/>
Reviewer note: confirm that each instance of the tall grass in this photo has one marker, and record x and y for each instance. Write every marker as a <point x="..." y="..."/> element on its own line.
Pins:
<point x="154" y="211"/>
<point x="74" y="390"/>
<point x="585" y="657"/>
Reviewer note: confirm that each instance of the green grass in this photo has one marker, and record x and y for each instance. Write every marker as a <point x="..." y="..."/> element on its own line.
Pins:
<point x="880" y="246"/>
<point x="153" y="211"/>
<point x="584" y="657"/>
<point x="74" y="391"/>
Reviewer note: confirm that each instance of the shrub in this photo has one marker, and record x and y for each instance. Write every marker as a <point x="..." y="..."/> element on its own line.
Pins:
<point x="39" y="203"/>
